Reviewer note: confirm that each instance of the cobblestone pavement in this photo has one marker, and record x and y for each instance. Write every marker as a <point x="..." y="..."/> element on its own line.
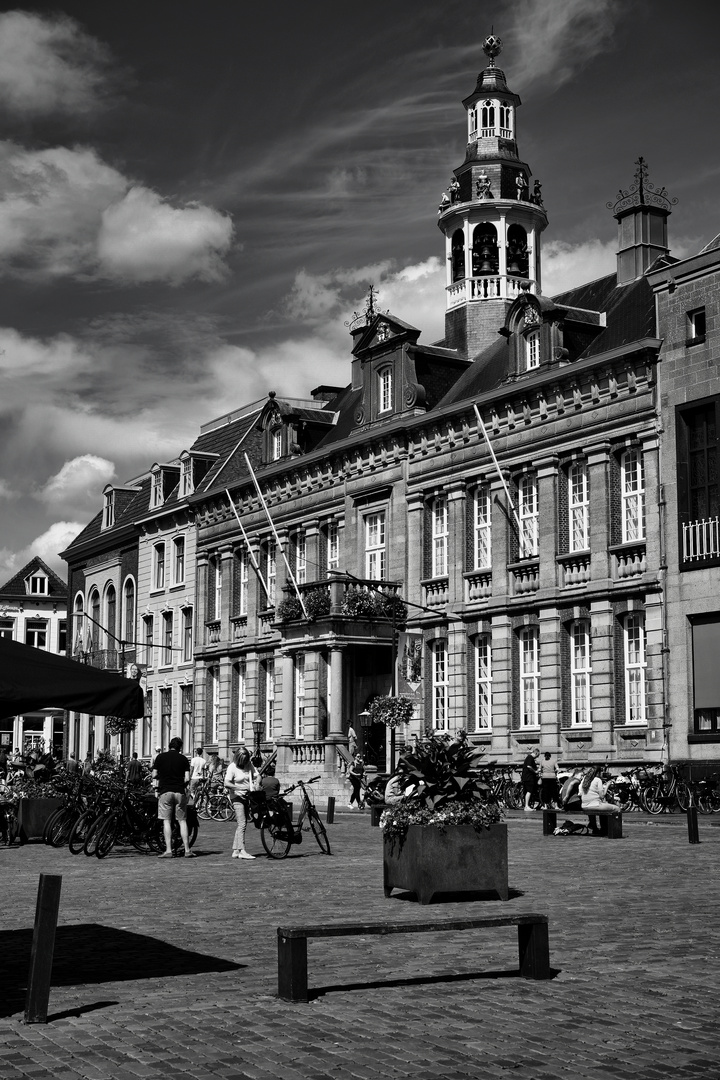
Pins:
<point x="168" y="969"/>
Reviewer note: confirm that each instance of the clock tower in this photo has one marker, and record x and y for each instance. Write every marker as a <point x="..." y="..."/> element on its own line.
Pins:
<point x="492" y="217"/>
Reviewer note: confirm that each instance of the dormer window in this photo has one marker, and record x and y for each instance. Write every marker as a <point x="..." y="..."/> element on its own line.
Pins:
<point x="108" y="510"/>
<point x="385" y="388"/>
<point x="186" y="477"/>
<point x="532" y="350"/>
<point x="37" y="585"/>
<point x="156" y="490"/>
<point x="276" y="444"/>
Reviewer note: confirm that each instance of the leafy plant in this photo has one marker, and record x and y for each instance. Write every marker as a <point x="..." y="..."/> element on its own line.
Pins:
<point x="120" y="725"/>
<point x="317" y="602"/>
<point x="391" y="711"/>
<point x="390" y="607"/>
<point x="288" y="609"/>
<point x="359" y="604"/>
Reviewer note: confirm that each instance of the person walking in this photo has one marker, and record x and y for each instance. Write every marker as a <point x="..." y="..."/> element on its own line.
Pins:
<point x="529" y="777"/>
<point x="134" y="771"/>
<point x="549" y="790"/>
<point x="198" y="769"/>
<point x="241" y="777"/>
<point x="355" y="776"/>
<point x="72" y="765"/>
<point x="352" y="741"/>
<point x="171" y="773"/>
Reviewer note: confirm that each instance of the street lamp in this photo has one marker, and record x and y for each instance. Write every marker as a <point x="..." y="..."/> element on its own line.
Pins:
<point x="257" y="731"/>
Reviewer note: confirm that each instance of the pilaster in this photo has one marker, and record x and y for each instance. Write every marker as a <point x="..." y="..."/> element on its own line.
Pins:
<point x="598" y="458"/>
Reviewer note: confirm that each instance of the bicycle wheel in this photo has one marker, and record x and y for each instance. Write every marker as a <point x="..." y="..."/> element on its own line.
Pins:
<point x="93" y="833"/>
<point x="202" y="804"/>
<point x="682" y="795"/>
<point x="319" y="830"/>
<point x="59" y="833"/>
<point x="13" y="829"/>
<point x="221" y="809"/>
<point x="107" y="836"/>
<point x="79" y="832"/>
<point x="51" y="821"/>
<point x="653" y="798"/>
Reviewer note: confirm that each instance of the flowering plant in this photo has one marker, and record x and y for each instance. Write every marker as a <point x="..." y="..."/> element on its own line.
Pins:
<point x="120" y="725"/>
<point x="392" y="711"/>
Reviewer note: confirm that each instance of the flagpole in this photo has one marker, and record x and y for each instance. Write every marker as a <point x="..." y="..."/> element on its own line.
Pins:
<point x="497" y="467"/>
<point x="277" y="538"/>
<point x="253" y="560"/>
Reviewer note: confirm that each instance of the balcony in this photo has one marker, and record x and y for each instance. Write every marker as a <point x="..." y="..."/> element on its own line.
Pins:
<point x="478" y="586"/>
<point x="700" y="543"/>
<point x="525" y="577"/>
<point x="488" y="287"/>
<point x="436" y="592"/>
<point x="344" y="605"/>
<point x="629" y="560"/>
<point x="573" y="570"/>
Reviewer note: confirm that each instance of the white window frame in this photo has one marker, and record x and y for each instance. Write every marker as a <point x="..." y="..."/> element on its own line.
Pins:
<point x="269" y="698"/>
<point x="178" y="546"/>
<point x="166" y="699"/>
<point x="529" y="645"/>
<point x="146" y="746"/>
<point x="385" y="396"/>
<point x="532" y="350"/>
<point x="299" y="696"/>
<point x="580" y="673"/>
<point x="188" y="632"/>
<point x="578" y="507"/>
<point x="242" y="710"/>
<point x="243" y="575"/>
<point x="128" y="610"/>
<point x="215" y="703"/>
<point x="38" y="584"/>
<point x="108" y="510"/>
<point x="374" y="529"/>
<point x="168" y="623"/>
<point x="276" y="443"/>
<point x="635" y="662"/>
<point x="333" y="546"/>
<point x="35" y="629"/>
<point x="300" y="558"/>
<point x="159" y="566"/>
<point x="217" y="585"/>
<point x="186" y="477"/>
<point x="440" y="685"/>
<point x="528" y="512"/>
<point x="156" y="488"/>
<point x="482" y="528"/>
<point x="439" y="518"/>
<point x="271" y="573"/>
<point x="483" y="683"/>
<point x="149" y="639"/>
<point x="632" y="492"/>
<point x="187" y="725"/>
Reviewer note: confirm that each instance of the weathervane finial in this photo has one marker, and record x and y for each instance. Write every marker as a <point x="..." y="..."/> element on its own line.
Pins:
<point x="492" y="46"/>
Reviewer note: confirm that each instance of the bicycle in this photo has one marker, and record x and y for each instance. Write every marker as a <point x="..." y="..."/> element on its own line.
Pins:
<point x="668" y="792"/>
<point x="274" y="819"/>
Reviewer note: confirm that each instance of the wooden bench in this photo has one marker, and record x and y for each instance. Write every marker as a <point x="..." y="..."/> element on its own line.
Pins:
<point x="613" y="821"/>
<point x="533" y="944"/>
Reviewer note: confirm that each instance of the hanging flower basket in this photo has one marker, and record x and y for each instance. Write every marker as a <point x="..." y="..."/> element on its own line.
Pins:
<point x="120" y="725"/>
<point x="391" y="711"/>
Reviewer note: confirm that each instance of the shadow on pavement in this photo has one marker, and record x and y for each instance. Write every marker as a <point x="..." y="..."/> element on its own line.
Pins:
<point x="90" y="953"/>
<point x="420" y="980"/>
<point x="456" y="897"/>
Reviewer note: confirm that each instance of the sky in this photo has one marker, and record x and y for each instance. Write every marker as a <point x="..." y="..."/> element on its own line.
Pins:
<point x="194" y="198"/>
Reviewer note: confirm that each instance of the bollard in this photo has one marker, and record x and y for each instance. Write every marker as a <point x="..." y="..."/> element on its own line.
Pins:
<point x="693" y="836"/>
<point x="43" y="947"/>
<point x="330" y="816"/>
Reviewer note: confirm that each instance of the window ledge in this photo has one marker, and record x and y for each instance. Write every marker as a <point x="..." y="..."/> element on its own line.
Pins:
<point x="704" y="737"/>
<point x="577" y="732"/>
<point x="627" y="545"/>
<point x="699" y="340"/>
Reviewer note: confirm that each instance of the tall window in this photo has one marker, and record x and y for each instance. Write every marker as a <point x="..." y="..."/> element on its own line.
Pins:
<point x="276" y="444"/>
<point x="269" y="698"/>
<point x="300" y="559"/>
<point x="214" y="691"/>
<point x="635" y="666"/>
<point x="698" y="481"/>
<point x="532" y="350"/>
<point x="299" y="702"/>
<point x="36" y="633"/>
<point x="79" y="643"/>
<point x="487" y="118"/>
<point x="146" y="746"/>
<point x="482" y="529"/>
<point x="165" y="715"/>
<point x="167" y="629"/>
<point x="580" y="668"/>
<point x="529" y="676"/>
<point x="217" y="584"/>
<point x="578" y="507"/>
<point x="129" y="611"/>
<point x="244" y="729"/>
<point x="271" y="575"/>
<point x="95" y="620"/>
<point x="156" y="489"/>
<point x="108" y="510"/>
<point x="528" y="514"/>
<point x="696" y="325"/>
<point x="149" y="623"/>
<point x="375" y="546"/>
<point x="333" y="546"/>
<point x="242" y="569"/>
<point x="187" y="643"/>
<point x="632" y="479"/>
<point x="178" y="560"/>
<point x="186" y="713"/>
<point x="440" y="685"/>
<point x="62" y="637"/>
<point x="385" y="379"/>
<point x="159" y="566"/>
<point x="186" y="484"/>
<point x="110" y="615"/>
<point x="439" y="536"/>
<point x="483" y="683"/>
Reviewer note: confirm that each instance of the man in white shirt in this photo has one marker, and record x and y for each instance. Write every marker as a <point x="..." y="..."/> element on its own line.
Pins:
<point x="198" y="769"/>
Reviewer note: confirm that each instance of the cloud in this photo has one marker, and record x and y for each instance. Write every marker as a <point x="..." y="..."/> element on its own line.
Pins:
<point x="567" y="265"/>
<point x="65" y="213"/>
<point x="77" y="484"/>
<point x="557" y="39"/>
<point x="55" y="539"/>
<point x="6" y="492"/>
<point x="49" y="65"/>
<point x="143" y="238"/>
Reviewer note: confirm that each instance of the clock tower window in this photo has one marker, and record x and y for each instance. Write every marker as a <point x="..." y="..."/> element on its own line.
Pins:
<point x="458" y="255"/>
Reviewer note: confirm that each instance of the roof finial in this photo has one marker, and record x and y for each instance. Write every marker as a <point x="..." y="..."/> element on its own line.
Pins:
<point x="641" y="192"/>
<point x="492" y="47"/>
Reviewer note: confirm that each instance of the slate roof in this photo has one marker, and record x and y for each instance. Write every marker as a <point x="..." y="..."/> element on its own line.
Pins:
<point x="16" y="585"/>
<point x="129" y="506"/>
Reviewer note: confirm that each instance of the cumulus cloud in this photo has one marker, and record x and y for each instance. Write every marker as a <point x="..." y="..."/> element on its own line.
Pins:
<point x="6" y="492"/>
<point x="568" y="265"/>
<point x="77" y="484"/>
<point x="65" y="212"/>
<point x="55" y="539"/>
<point x="48" y="64"/>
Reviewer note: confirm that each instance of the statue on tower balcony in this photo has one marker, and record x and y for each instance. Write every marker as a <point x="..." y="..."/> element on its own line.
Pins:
<point x="454" y="189"/>
<point x="537" y="194"/>
<point x="444" y="202"/>
<point x="521" y="186"/>
<point x="483" y="189"/>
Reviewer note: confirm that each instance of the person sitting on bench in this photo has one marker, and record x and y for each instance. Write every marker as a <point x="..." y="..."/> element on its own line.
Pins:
<point x="592" y="796"/>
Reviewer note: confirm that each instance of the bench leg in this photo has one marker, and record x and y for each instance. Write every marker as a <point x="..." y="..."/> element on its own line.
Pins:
<point x="292" y="969"/>
<point x="534" y="949"/>
<point x="549" y="822"/>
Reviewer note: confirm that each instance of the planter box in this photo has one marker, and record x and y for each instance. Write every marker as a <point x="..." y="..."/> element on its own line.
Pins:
<point x="428" y="861"/>
<point x="33" y="815"/>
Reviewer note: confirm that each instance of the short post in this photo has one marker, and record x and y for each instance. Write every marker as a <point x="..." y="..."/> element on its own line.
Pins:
<point x="330" y="816"/>
<point x="292" y="968"/>
<point x="693" y="835"/>
<point x="43" y="947"/>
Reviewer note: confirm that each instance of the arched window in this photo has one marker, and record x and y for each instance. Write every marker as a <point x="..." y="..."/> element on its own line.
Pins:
<point x="472" y="123"/>
<point x="517" y="252"/>
<point x="505" y="118"/>
<point x="458" y="255"/>
<point x="128" y="629"/>
<point x="532" y="350"/>
<point x="276" y="443"/>
<point x="485" y="258"/>
<point x="78" y="625"/>
<point x="488" y="118"/>
<point x="110" y="615"/>
<point x="385" y="390"/>
<point x="95" y="619"/>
